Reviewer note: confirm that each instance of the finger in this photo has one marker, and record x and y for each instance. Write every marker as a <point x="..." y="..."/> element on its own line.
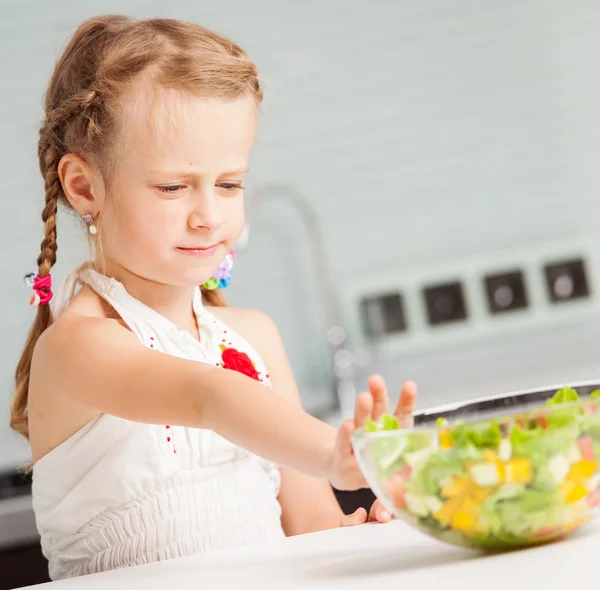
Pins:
<point x="406" y="404"/>
<point x="363" y="409"/>
<point x="379" y="392"/>
<point x="379" y="512"/>
<point x="344" y="437"/>
<point x="359" y="516"/>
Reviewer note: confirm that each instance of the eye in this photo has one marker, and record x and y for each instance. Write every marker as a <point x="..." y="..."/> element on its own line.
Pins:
<point x="231" y="186"/>
<point x="171" y="188"/>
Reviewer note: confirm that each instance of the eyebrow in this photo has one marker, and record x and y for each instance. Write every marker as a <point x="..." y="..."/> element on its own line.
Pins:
<point x="188" y="173"/>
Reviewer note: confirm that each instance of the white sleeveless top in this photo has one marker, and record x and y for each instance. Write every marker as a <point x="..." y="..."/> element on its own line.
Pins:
<point x="119" y="493"/>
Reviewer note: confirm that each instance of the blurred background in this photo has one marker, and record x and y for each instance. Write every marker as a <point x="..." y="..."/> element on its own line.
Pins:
<point x="422" y="204"/>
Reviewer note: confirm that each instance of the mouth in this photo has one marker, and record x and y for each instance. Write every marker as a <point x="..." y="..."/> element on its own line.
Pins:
<point x="199" y="251"/>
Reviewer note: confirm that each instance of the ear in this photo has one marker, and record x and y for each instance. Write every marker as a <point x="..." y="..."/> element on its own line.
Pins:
<point x="79" y="182"/>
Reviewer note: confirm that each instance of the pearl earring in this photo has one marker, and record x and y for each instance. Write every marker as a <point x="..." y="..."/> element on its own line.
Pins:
<point x="89" y="219"/>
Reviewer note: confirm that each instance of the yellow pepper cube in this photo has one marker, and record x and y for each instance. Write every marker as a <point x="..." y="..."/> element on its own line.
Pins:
<point x="455" y="486"/>
<point x="445" y="439"/>
<point x="480" y="494"/>
<point x="465" y="518"/>
<point x="489" y="456"/>
<point x="582" y="470"/>
<point x="518" y="471"/>
<point x="445" y="514"/>
<point x="501" y="471"/>
<point x="573" y="492"/>
<point x="566" y="487"/>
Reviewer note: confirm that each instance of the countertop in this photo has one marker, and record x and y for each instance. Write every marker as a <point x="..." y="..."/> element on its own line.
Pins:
<point x="389" y="555"/>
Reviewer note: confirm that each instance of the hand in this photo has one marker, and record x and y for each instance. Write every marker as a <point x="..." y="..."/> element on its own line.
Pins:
<point x="378" y="513"/>
<point x="346" y="474"/>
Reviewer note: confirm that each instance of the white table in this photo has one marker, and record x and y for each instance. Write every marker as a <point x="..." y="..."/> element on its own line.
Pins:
<point x="390" y="556"/>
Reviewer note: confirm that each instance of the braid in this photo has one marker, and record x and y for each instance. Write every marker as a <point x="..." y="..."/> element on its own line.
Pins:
<point x="216" y="298"/>
<point x="51" y="147"/>
<point x="47" y="257"/>
<point x="49" y="159"/>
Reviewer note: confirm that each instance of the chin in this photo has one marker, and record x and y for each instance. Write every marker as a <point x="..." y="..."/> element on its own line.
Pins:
<point x="174" y="275"/>
<point x="185" y="273"/>
<point x="193" y="278"/>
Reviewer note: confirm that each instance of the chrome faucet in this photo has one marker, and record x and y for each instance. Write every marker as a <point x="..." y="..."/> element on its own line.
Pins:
<point x="343" y="358"/>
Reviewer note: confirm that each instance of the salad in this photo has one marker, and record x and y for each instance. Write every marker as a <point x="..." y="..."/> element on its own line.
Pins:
<point x="498" y="482"/>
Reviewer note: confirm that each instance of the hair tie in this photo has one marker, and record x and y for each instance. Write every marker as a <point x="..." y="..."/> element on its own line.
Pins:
<point x="222" y="276"/>
<point x="42" y="287"/>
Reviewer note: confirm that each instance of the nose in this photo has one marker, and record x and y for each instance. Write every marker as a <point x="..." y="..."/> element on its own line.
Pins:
<point x="207" y="211"/>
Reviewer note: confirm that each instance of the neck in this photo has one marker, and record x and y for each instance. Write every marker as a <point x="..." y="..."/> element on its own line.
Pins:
<point x="174" y="302"/>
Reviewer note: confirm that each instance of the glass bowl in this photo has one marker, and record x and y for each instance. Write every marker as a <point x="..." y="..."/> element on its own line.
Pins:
<point x="496" y="473"/>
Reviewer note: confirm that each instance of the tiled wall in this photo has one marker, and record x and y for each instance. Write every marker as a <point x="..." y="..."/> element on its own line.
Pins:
<point x="420" y="133"/>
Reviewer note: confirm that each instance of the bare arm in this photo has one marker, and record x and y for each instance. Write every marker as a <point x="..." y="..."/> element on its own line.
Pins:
<point x="102" y="365"/>
<point x="308" y="503"/>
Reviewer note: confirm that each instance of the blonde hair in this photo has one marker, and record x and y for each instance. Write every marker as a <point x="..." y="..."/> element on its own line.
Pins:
<point x="105" y="57"/>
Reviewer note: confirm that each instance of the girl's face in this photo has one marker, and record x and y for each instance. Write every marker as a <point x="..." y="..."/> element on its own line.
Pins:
<point x="177" y="195"/>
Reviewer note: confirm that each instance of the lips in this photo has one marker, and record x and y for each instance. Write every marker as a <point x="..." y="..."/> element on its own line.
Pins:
<point x="202" y="248"/>
<point x="199" y="251"/>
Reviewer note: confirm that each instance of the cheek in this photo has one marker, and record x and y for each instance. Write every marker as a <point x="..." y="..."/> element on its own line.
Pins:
<point x="235" y="216"/>
<point x="138" y="228"/>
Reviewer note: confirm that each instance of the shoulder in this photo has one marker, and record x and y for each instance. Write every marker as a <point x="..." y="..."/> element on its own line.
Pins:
<point x="244" y="317"/>
<point x="87" y="324"/>
<point x="257" y="327"/>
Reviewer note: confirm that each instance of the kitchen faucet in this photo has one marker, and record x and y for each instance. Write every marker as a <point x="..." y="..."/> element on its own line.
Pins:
<point x="343" y="359"/>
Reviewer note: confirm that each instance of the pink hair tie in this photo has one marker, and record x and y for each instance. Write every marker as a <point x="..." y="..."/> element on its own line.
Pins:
<point x="42" y="287"/>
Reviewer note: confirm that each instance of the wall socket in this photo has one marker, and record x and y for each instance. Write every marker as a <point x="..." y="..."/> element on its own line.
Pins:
<point x="505" y="292"/>
<point x="445" y="303"/>
<point x="414" y="309"/>
<point x="566" y="280"/>
<point x="383" y="314"/>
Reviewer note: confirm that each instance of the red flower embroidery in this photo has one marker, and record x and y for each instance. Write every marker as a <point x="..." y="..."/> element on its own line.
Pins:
<point x="235" y="360"/>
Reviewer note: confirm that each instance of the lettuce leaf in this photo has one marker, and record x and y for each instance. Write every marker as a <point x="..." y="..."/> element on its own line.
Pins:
<point x="419" y="440"/>
<point x="563" y="416"/>
<point x="481" y="434"/>
<point x="370" y="426"/>
<point x="389" y="422"/>
<point x="528" y="509"/>
<point x="426" y="479"/>
<point x="563" y="396"/>
<point x="545" y="441"/>
<point x="591" y="425"/>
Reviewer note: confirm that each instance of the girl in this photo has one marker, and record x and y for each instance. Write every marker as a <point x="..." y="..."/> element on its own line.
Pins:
<point x="140" y="456"/>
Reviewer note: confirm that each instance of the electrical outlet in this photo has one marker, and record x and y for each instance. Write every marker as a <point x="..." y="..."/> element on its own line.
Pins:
<point x="566" y="280"/>
<point x="383" y="314"/>
<point x="505" y="292"/>
<point x="445" y="303"/>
